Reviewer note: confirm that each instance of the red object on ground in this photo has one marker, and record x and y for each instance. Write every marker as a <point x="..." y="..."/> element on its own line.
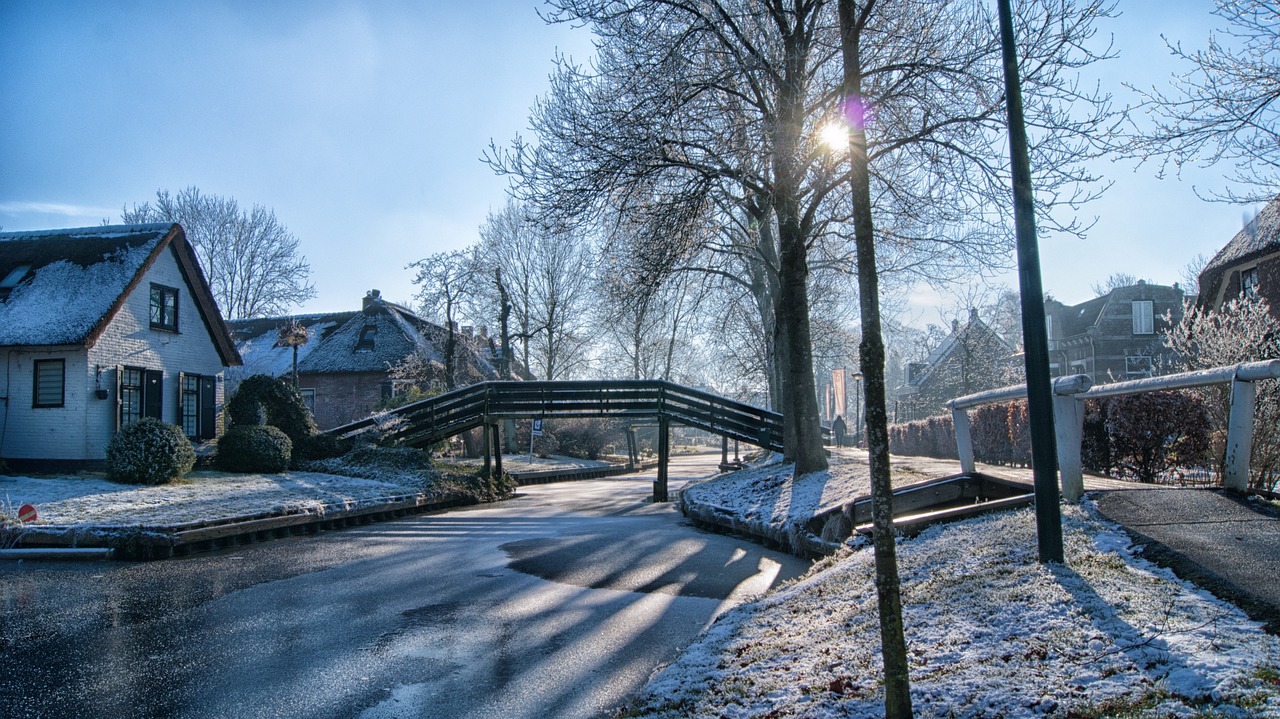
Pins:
<point x="26" y="513"/>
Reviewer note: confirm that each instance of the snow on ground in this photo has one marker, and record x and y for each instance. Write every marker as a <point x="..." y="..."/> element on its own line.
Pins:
<point x="199" y="497"/>
<point x="991" y="632"/>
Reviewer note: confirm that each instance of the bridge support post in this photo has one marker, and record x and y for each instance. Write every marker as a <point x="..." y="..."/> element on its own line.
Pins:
<point x="497" y="451"/>
<point x="633" y="451"/>
<point x="1239" y="435"/>
<point x="488" y="449"/>
<point x="724" y="451"/>
<point x="664" y="453"/>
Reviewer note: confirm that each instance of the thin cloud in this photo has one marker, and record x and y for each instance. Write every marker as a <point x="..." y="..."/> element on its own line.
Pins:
<point x="15" y="207"/>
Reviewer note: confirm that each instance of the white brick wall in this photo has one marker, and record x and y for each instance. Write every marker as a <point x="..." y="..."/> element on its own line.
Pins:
<point x="82" y="428"/>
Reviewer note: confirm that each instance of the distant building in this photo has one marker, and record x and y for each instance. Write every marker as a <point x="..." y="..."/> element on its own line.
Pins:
<point x="971" y="359"/>
<point x="1249" y="265"/>
<point x="1113" y="337"/>
<point x="344" y="367"/>
<point x="99" y="327"/>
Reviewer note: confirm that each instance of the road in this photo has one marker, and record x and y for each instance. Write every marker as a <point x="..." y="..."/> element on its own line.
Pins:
<point x="557" y="603"/>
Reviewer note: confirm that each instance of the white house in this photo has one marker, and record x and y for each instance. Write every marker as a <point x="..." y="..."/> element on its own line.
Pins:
<point x="99" y="327"/>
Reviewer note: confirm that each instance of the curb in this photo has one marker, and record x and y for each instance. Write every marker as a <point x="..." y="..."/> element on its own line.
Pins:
<point x="143" y="542"/>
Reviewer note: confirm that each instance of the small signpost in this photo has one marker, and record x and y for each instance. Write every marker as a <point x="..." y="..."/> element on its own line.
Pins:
<point x="535" y="432"/>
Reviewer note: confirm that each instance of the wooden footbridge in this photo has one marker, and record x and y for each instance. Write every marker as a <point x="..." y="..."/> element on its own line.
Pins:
<point x="487" y="404"/>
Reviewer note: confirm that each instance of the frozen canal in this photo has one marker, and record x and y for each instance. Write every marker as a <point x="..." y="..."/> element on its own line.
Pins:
<point x="558" y="603"/>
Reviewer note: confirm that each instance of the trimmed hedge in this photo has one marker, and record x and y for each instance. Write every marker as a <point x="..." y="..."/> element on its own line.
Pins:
<point x="1140" y="436"/>
<point x="273" y="401"/>
<point x="149" y="452"/>
<point x="254" y="448"/>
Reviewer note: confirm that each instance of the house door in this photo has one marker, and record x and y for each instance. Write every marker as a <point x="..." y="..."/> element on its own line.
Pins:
<point x="139" y="393"/>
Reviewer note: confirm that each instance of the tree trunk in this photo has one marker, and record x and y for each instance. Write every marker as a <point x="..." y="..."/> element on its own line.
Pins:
<point x="871" y="350"/>
<point x="802" y="430"/>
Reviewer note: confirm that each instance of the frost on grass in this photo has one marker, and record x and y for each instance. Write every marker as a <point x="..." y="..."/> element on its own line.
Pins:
<point x="766" y="500"/>
<point x="202" y="496"/>
<point x="990" y="632"/>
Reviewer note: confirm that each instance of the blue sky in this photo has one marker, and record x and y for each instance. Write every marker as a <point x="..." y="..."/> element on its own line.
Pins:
<point x="362" y="124"/>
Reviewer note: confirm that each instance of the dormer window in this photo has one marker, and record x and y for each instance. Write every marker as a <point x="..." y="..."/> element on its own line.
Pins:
<point x="1144" y="317"/>
<point x="164" y="308"/>
<point x="367" y="336"/>
<point x="12" y="279"/>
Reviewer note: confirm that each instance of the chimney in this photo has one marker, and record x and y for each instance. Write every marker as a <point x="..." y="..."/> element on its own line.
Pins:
<point x="371" y="298"/>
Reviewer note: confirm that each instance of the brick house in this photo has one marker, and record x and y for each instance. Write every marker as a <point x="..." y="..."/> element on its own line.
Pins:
<point x="1248" y="265"/>
<point x="1116" y="336"/>
<point x="971" y="359"/>
<point x="344" y="367"/>
<point x="99" y="327"/>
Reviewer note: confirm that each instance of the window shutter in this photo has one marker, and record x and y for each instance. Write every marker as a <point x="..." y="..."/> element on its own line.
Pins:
<point x="182" y="398"/>
<point x="208" y="408"/>
<point x="153" y="393"/>
<point x="119" y="405"/>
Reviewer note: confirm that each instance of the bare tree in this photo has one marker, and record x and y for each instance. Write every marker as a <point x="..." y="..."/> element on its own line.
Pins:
<point x="1224" y="107"/>
<point x="546" y="276"/>
<point x="445" y="279"/>
<point x="1191" y="273"/>
<point x="1114" y="282"/>
<point x="250" y="258"/>
<point x="713" y="110"/>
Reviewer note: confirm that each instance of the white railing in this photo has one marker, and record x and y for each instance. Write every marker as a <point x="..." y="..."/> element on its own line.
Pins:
<point x="1069" y="394"/>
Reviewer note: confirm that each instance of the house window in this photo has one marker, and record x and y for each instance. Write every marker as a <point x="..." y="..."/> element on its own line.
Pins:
<point x="196" y="406"/>
<point x="1137" y="366"/>
<point x="1249" y="283"/>
<point x="164" y="308"/>
<point x="1144" y="317"/>
<point x="139" y="391"/>
<point x="309" y="398"/>
<point x="12" y="279"/>
<point x="50" y="383"/>
<point x="368" y="334"/>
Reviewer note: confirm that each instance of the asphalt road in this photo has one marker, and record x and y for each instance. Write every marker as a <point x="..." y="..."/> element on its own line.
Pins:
<point x="558" y="603"/>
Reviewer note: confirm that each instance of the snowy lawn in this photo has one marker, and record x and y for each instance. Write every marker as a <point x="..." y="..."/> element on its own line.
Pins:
<point x="990" y="631"/>
<point x="200" y="496"/>
<point x="765" y="501"/>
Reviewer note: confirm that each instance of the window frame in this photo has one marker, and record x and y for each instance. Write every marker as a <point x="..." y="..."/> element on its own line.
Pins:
<point x="1144" y="322"/>
<point x="158" y="309"/>
<point x="149" y="393"/>
<point x="1146" y="365"/>
<point x="197" y="410"/>
<point x="36" y="372"/>
<point x="1249" y="283"/>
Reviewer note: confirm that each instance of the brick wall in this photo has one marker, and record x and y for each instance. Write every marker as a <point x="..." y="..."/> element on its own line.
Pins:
<point x="343" y="398"/>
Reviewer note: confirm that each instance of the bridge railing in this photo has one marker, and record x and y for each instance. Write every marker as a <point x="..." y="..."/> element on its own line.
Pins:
<point x="435" y="418"/>
<point x="1070" y="393"/>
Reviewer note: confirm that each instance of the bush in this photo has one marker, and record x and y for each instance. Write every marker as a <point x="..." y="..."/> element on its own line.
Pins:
<point x="149" y="452"/>
<point x="1095" y="446"/>
<point x="254" y="448"/>
<point x="989" y="428"/>
<point x="262" y="399"/>
<point x="586" y="438"/>
<point x="1154" y="432"/>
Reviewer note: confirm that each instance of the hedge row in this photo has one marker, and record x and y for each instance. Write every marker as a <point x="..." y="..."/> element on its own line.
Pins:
<point x="1140" y="436"/>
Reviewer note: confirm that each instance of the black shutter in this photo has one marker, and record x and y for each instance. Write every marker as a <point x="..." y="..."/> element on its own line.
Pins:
<point x="153" y="393"/>
<point x="208" y="408"/>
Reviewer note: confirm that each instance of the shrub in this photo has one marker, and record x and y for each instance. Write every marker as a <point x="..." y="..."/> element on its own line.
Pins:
<point x="1095" y="446"/>
<point x="262" y="399"/>
<point x="989" y="425"/>
<point x="1154" y="432"/>
<point x="586" y="438"/>
<point x="149" y="452"/>
<point x="1019" y="433"/>
<point x="254" y="448"/>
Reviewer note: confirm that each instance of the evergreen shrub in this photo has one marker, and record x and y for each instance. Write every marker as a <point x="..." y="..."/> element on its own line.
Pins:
<point x="254" y="448"/>
<point x="149" y="452"/>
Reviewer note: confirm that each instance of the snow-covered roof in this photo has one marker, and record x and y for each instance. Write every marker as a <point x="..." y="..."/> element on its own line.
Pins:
<point x="369" y="340"/>
<point x="62" y="287"/>
<point x="1260" y="237"/>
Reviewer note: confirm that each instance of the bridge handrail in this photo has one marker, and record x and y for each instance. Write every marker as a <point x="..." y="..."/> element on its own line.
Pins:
<point x="467" y="407"/>
<point x="1068" y="410"/>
